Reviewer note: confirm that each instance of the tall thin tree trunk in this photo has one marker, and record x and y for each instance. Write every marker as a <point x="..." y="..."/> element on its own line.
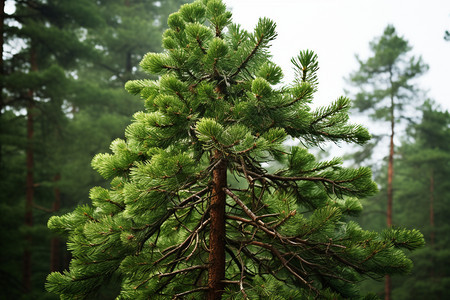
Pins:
<point x="55" y="242"/>
<point x="30" y="180"/>
<point x="432" y="228"/>
<point x="390" y="168"/>
<point x="216" y="269"/>
<point x="387" y="286"/>
<point x="432" y="232"/>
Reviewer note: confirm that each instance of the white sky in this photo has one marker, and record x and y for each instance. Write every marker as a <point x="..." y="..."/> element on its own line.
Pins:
<point x="338" y="29"/>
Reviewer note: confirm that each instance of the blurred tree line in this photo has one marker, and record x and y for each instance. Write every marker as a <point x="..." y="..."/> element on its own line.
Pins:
<point x="413" y="177"/>
<point x="63" y="67"/>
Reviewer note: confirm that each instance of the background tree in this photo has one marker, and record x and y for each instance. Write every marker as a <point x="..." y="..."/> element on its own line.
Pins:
<point x="54" y="51"/>
<point x="421" y="201"/>
<point x="385" y="83"/>
<point x="174" y="224"/>
<point x="34" y="80"/>
<point x="423" y="172"/>
<point x="98" y="99"/>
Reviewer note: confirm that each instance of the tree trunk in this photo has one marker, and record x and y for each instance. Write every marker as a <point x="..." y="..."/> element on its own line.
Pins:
<point x="432" y="233"/>
<point x="216" y="268"/>
<point x="29" y="181"/>
<point x="29" y="196"/>
<point x="55" y="242"/>
<point x="390" y="169"/>
<point x="387" y="286"/>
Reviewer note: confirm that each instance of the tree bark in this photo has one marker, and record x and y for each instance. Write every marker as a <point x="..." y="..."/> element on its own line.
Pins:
<point x="216" y="268"/>
<point x="432" y="232"/>
<point x="390" y="194"/>
<point x="55" y="242"/>
<point x="29" y="180"/>
<point x="390" y="168"/>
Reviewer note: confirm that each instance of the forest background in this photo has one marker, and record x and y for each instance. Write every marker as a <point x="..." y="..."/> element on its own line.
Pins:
<point x="63" y="68"/>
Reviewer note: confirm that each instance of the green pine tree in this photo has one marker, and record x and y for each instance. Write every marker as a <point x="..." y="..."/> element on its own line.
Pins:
<point x="41" y="43"/>
<point x="192" y="211"/>
<point x="386" y="90"/>
<point x="97" y="99"/>
<point x="423" y="183"/>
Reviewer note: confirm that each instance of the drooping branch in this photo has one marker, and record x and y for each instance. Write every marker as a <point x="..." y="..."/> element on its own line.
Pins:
<point x="203" y="267"/>
<point x="285" y="263"/>
<point x="182" y="247"/>
<point x="324" y="180"/>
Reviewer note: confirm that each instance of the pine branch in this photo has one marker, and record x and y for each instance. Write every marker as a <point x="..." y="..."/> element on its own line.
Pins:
<point x="203" y="267"/>
<point x="285" y="263"/>
<point x="200" y="44"/>
<point x="334" y="183"/>
<point x="247" y="59"/>
<point x="182" y="247"/>
<point x="176" y="296"/>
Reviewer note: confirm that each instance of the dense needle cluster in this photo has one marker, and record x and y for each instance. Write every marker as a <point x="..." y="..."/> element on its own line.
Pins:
<point x="195" y="211"/>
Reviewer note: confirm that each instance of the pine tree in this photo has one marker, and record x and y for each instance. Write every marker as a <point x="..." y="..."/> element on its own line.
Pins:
<point x="193" y="212"/>
<point x="422" y="183"/>
<point x="34" y="81"/>
<point x="98" y="99"/>
<point x="385" y="84"/>
<point x="83" y="94"/>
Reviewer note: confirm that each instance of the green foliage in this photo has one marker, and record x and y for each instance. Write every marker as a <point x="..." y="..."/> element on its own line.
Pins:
<point x="288" y="232"/>
<point x="69" y="60"/>
<point x="421" y="189"/>
<point x="383" y="82"/>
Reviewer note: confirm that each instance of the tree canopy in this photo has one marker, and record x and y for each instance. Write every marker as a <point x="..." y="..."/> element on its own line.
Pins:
<point x="193" y="209"/>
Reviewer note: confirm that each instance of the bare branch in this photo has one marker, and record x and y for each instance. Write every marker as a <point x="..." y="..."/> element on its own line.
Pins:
<point x="183" y="270"/>
<point x="203" y="288"/>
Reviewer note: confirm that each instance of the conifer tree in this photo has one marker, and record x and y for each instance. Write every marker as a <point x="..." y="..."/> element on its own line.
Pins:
<point x="34" y="82"/>
<point x="424" y="170"/>
<point x="193" y="212"/>
<point x="385" y="88"/>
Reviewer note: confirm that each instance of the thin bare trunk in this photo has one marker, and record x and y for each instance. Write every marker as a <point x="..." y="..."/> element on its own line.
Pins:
<point x="432" y="233"/>
<point x="390" y="170"/>
<point x="390" y="194"/>
<point x="55" y="242"/>
<point x="216" y="269"/>
<point x="29" y="181"/>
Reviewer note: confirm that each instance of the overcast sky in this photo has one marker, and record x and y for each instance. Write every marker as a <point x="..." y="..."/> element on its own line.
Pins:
<point x="338" y="29"/>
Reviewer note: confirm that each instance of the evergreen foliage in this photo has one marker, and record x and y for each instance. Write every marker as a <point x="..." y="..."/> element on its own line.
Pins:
<point x="42" y="45"/>
<point x="69" y="60"/>
<point x="421" y="201"/>
<point x="423" y="182"/>
<point x="217" y="111"/>
<point x="386" y="90"/>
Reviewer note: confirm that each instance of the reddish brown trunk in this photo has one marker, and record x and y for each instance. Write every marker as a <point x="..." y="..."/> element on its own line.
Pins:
<point x="54" y="244"/>
<point x="432" y="233"/>
<point x="29" y="181"/>
<point x="390" y="196"/>
<point x="390" y="177"/>
<point x="29" y="195"/>
<point x="387" y="287"/>
<point x="216" y="269"/>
